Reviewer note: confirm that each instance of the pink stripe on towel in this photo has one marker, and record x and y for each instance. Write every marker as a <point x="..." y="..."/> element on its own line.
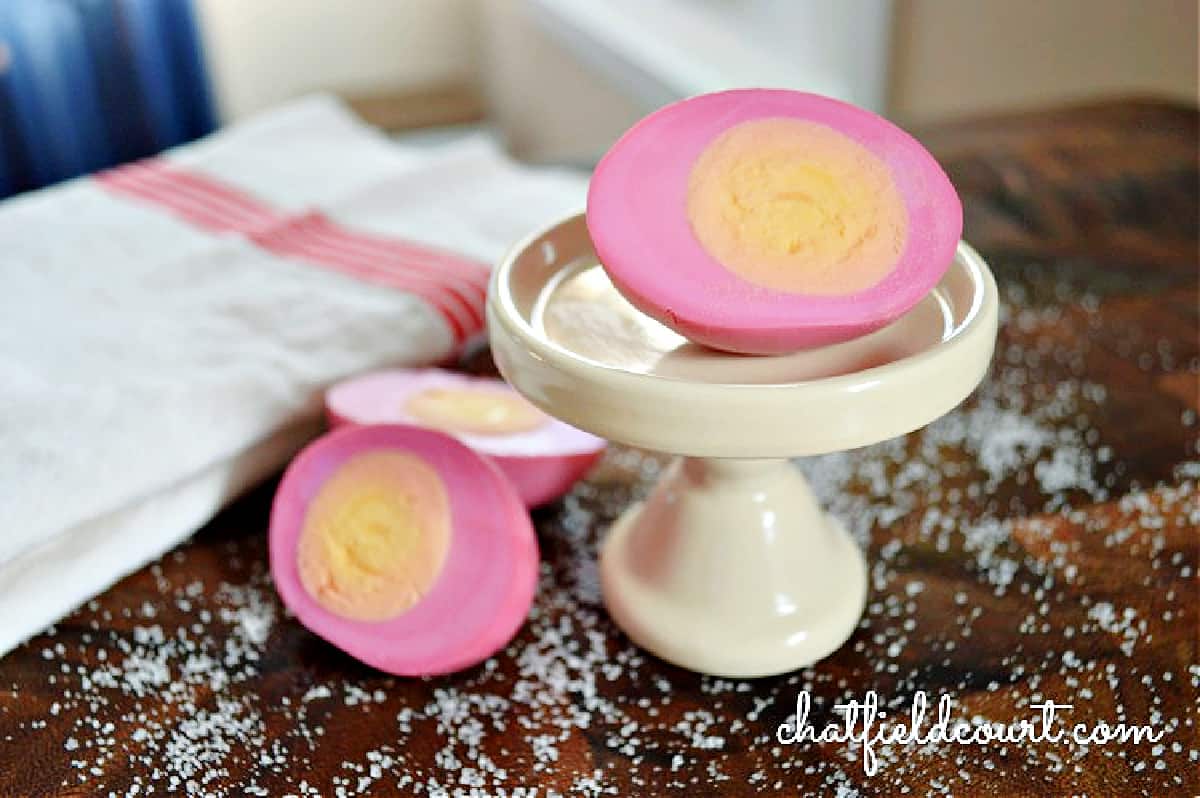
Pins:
<point x="453" y="285"/>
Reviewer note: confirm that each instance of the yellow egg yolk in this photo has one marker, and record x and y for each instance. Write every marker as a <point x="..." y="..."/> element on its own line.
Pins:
<point x="376" y="536"/>
<point x="797" y="207"/>
<point x="479" y="412"/>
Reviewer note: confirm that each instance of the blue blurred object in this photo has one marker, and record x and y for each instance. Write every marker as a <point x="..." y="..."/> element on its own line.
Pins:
<point x="86" y="84"/>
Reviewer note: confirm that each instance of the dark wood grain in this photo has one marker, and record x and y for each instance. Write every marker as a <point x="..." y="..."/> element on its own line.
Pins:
<point x="1039" y="543"/>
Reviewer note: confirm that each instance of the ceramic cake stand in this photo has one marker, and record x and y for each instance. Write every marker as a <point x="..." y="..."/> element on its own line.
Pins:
<point x="729" y="567"/>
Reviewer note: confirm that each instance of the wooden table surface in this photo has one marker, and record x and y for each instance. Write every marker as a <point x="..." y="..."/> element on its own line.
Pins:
<point x="1039" y="543"/>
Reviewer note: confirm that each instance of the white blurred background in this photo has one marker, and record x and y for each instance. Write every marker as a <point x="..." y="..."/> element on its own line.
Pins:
<point x="560" y="79"/>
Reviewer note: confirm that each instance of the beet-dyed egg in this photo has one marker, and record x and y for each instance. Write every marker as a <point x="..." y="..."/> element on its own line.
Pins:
<point x="404" y="548"/>
<point x="765" y="221"/>
<point x="542" y="456"/>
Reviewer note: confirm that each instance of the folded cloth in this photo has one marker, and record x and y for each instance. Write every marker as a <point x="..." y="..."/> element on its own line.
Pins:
<point x="166" y="328"/>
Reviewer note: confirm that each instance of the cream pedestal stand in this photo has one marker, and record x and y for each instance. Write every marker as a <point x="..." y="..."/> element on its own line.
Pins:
<point x="729" y="567"/>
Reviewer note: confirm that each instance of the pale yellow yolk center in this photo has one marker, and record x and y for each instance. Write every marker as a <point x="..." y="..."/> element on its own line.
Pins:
<point x="480" y="412"/>
<point x="375" y="537"/>
<point x="797" y="207"/>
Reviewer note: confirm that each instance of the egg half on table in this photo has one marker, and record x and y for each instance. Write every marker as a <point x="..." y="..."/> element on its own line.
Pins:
<point x="542" y="456"/>
<point x="404" y="548"/>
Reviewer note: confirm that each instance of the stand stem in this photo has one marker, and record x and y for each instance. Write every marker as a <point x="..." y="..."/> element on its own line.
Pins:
<point x="731" y="568"/>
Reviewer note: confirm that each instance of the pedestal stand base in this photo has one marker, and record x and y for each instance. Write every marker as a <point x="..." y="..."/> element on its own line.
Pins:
<point x="730" y="568"/>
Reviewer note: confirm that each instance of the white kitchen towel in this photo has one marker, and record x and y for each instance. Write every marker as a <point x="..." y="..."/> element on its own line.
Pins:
<point x="166" y="328"/>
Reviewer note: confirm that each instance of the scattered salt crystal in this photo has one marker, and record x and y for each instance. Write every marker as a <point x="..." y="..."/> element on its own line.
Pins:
<point x="1019" y="449"/>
